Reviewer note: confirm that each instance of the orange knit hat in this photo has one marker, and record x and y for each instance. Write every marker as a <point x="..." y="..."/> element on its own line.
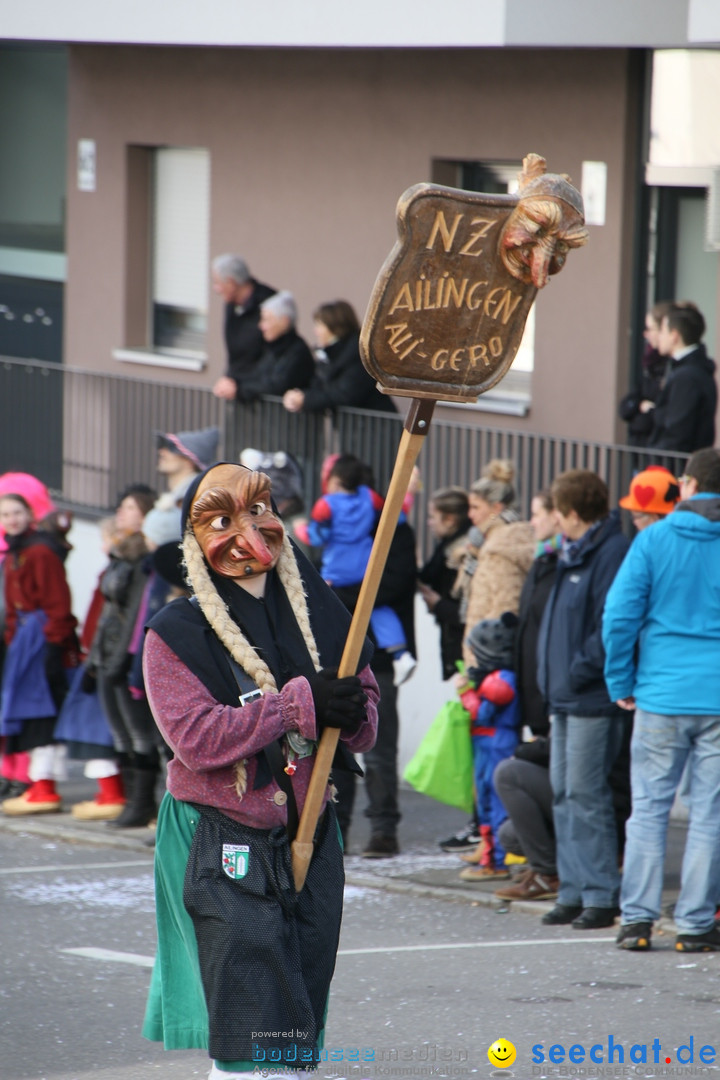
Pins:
<point x="652" y="491"/>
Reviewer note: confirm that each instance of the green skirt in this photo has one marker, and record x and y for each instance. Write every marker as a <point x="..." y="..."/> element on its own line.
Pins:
<point x="176" y="1012"/>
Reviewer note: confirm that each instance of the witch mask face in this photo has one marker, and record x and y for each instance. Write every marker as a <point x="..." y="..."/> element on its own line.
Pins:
<point x="234" y="524"/>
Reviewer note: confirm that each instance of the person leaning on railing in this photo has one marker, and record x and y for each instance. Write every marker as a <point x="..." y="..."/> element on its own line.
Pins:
<point x="340" y="378"/>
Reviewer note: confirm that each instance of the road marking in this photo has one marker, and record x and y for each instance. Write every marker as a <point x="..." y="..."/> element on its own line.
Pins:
<point x="476" y="945"/>
<point x="148" y="961"/>
<point x="62" y="869"/>
<point x="114" y="957"/>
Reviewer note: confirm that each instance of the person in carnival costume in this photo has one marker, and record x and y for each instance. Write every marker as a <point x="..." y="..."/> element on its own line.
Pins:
<point x="242" y="678"/>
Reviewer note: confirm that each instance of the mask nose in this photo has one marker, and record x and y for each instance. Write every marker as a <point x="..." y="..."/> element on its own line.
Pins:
<point x="252" y="539"/>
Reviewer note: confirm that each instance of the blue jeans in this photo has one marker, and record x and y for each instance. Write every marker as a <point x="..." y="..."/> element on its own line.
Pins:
<point x="661" y="745"/>
<point x="582" y="752"/>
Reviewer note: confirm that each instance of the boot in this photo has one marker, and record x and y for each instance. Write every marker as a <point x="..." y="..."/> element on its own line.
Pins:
<point x="141" y="807"/>
<point x="107" y="805"/>
<point x="483" y="853"/>
<point x="40" y="798"/>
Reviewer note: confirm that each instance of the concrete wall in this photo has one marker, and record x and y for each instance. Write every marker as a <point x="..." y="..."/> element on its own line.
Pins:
<point x="310" y="151"/>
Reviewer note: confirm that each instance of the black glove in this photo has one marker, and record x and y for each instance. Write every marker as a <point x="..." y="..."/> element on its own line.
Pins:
<point x="88" y="682"/>
<point x="339" y="703"/>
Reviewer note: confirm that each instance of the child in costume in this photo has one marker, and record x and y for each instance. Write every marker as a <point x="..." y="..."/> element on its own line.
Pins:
<point x="489" y="693"/>
<point x="42" y="647"/>
<point x="242" y="678"/>
<point x="14" y="778"/>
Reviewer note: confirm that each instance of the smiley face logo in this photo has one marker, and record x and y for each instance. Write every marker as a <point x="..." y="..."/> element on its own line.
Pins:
<point x="502" y="1053"/>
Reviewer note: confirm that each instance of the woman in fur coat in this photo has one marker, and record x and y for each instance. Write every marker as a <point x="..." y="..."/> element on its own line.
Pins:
<point x="492" y="580"/>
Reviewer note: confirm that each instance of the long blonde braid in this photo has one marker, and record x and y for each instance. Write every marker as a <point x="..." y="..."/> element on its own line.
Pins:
<point x="216" y="612"/>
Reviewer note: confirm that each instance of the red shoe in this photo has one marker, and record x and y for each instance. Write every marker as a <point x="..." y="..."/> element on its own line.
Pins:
<point x="40" y="798"/>
<point x="107" y="805"/>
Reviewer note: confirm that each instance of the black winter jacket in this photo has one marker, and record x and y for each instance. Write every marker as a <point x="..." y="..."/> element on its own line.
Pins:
<point x="122" y="584"/>
<point x="286" y="364"/>
<point x="243" y="340"/>
<point x="441" y="576"/>
<point x="640" y="424"/>
<point x="684" y="417"/>
<point x="571" y="657"/>
<point x="344" y="381"/>
<point x="533" y="598"/>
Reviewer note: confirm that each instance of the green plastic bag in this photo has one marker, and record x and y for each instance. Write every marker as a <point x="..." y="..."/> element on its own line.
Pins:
<point x="442" y="766"/>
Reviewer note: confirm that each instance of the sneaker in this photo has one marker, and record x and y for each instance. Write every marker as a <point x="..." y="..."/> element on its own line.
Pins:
<point x="484" y="873"/>
<point x="531" y="885"/>
<point x="381" y="847"/>
<point x="634" y="936"/>
<point x="465" y="840"/>
<point x="707" y="942"/>
<point x="403" y="667"/>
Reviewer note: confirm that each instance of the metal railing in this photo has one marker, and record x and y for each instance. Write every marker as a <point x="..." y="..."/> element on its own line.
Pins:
<point x="87" y="435"/>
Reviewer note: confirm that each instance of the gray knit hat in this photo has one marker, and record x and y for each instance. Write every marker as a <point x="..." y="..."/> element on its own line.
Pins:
<point x="199" y="447"/>
<point x="492" y="642"/>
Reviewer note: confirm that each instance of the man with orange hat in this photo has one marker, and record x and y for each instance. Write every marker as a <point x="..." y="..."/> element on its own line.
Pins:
<point x="653" y="494"/>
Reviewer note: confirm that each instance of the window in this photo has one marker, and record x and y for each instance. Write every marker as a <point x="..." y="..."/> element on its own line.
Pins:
<point x="181" y="211"/>
<point x="512" y="394"/>
<point x="166" y="316"/>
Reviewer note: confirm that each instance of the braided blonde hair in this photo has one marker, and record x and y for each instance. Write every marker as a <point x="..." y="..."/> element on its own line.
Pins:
<point x="216" y="612"/>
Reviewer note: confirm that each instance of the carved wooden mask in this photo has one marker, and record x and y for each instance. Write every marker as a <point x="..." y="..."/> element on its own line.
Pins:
<point x="234" y="524"/>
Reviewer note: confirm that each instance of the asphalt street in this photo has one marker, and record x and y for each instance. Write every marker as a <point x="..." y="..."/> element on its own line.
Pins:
<point x="430" y="973"/>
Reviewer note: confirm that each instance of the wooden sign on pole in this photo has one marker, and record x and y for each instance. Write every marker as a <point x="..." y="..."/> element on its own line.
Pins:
<point x="444" y="323"/>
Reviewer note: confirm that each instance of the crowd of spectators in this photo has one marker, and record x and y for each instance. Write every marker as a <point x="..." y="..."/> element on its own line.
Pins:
<point x="580" y="643"/>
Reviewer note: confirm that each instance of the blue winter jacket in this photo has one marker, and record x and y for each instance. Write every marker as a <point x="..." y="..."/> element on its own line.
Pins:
<point x="661" y="626"/>
<point x="570" y="650"/>
<point x="345" y="533"/>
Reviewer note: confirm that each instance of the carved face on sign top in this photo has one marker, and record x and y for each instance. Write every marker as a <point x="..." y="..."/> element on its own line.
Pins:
<point x="448" y="310"/>
<point x="234" y="524"/>
<point x="544" y="226"/>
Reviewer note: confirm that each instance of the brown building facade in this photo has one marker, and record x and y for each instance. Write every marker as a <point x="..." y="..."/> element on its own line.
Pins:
<point x="308" y="152"/>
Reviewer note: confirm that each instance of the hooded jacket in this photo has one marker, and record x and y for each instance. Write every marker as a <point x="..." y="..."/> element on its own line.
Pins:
<point x="684" y="416"/>
<point x="661" y="626"/>
<point x="570" y="648"/>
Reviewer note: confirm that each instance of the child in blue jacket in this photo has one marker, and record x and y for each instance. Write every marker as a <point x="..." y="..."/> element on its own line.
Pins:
<point x="343" y="523"/>
<point x="489" y="693"/>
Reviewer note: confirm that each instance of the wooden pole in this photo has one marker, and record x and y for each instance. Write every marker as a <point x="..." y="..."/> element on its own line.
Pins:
<point x="417" y="424"/>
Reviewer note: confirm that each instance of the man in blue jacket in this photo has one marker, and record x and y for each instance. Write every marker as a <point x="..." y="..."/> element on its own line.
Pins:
<point x="587" y="728"/>
<point x="661" y="631"/>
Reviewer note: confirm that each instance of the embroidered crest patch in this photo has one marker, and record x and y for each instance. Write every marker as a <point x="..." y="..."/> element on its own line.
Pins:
<point x="235" y="860"/>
